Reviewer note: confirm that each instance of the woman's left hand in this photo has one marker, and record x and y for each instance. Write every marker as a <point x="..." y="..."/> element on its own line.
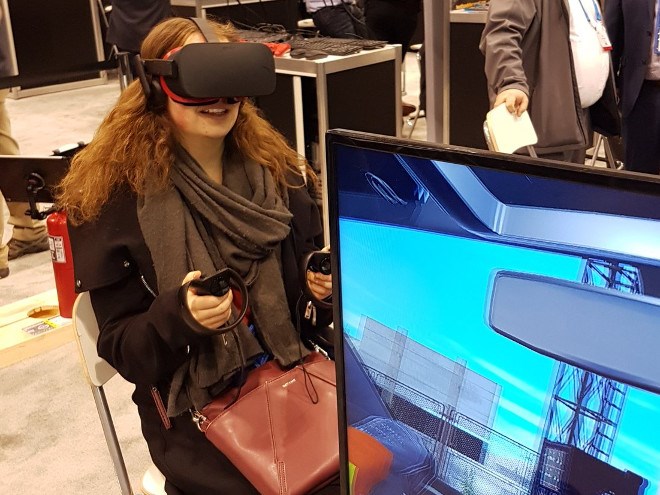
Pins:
<point x="319" y="284"/>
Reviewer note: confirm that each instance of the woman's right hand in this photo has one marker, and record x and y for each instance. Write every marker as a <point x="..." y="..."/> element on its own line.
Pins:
<point x="209" y="311"/>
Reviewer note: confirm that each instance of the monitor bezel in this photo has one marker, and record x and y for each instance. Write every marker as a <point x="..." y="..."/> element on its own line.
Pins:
<point x="617" y="179"/>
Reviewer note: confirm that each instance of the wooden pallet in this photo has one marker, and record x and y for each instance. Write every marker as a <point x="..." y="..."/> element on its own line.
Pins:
<point x="32" y="326"/>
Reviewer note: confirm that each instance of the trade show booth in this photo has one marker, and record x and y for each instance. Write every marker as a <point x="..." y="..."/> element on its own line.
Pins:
<point x="55" y="45"/>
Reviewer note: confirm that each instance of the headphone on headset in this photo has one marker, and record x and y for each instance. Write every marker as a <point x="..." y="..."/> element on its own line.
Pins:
<point x="153" y="76"/>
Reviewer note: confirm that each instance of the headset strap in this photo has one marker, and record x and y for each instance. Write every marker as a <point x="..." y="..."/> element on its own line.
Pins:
<point x="138" y="67"/>
<point x="205" y="28"/>
<point x="158" y="67"/>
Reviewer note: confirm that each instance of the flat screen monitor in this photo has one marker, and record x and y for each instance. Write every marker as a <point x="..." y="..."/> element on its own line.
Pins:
<point x="499" y="322"/>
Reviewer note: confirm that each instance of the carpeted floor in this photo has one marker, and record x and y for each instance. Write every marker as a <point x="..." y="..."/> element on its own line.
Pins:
<point x="51" y="441"/>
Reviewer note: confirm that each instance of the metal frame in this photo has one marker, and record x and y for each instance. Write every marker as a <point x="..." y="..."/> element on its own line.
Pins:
<point x="16" y="92"/>
<point x="202" y="5"/>
<point x="98" y="372"/>
<point x="436" y="39"/>
<point x="319" y="70"/>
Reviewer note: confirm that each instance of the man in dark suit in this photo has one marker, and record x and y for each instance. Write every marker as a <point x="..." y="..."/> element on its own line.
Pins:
<point x="633" y="27"/>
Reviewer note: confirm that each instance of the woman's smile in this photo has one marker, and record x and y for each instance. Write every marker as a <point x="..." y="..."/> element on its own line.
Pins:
<point x="214" y="111"/>
<point x="219" y="108"/>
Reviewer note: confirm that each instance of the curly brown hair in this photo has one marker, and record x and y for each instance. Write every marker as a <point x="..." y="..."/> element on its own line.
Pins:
<point x="134" y="146"/>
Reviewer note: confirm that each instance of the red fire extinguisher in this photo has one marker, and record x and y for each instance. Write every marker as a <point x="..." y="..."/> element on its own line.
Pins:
<point x="60" y="254"/>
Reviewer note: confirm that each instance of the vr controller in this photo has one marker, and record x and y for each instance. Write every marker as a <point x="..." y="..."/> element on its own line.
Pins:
<point x="322" y="336"/>
<point x="319" y="261"/>
<point x="213" y="285"/>
<point x="218" y="285"/>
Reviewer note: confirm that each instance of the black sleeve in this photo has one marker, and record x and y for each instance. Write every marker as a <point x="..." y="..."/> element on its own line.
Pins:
<point x="308" y="236"/>
<point x="613" y="14"/>
<point x="142" y="336"/>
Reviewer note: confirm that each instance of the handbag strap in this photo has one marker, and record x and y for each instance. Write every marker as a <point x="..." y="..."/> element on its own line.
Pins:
<point x="202" y="422"/>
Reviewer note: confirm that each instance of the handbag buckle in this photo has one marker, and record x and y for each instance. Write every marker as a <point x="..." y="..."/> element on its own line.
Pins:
<point x="198" y="418"/>
<point x="320" y="350"/>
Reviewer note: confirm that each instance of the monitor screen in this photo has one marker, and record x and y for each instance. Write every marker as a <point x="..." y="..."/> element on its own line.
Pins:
<point x="499" y="320"/>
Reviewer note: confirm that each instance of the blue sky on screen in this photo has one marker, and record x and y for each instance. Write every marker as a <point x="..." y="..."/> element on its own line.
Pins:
<point x="435" y="286"/>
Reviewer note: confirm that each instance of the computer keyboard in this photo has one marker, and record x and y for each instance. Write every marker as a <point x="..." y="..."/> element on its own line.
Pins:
<point x="368" y="44"/>
<point x="317" y="45"/>
<point x="334" y="46"/>
<point x="257" y="36"/>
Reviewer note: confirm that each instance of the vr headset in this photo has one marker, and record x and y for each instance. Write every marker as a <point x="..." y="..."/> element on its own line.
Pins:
<point x="202" y="73"/>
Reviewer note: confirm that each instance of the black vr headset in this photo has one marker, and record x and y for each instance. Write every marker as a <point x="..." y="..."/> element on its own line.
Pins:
<point x="202" y="73"/>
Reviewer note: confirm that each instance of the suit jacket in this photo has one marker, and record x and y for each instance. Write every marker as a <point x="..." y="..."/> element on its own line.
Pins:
<point x="630" y="27"/>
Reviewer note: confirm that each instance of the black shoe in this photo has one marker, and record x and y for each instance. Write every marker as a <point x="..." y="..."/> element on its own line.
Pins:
<point x="4" y="272"/>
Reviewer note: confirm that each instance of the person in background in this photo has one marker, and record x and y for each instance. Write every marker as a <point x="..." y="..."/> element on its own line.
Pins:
<point x="550" y="57"/>
<point x="162" y="195"/>
<point x="395" y="21"/>
<point x="337" y="18"/>
<point x="635" y="39"/>
<point x="8" y="146"/>
<point x="131" y="20"/>
<point x="28" y="236"/>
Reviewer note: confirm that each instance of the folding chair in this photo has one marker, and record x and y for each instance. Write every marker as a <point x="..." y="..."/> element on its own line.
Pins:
<point x="98" y="372"/>
<point x="610" y="151"/>
<point x="124" y="71"/>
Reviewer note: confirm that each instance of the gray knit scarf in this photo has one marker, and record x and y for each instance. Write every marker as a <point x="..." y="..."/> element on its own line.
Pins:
<point x="199" y="225"/>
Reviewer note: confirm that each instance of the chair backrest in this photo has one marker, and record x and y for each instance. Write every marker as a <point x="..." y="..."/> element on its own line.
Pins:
<point x="97" y="369"/>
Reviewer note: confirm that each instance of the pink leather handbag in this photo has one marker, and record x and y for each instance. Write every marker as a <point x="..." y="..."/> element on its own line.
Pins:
<point x="281" y="432"/>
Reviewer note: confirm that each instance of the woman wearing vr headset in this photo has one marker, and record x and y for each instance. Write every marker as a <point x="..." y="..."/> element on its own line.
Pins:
<point x="169" y="188"/>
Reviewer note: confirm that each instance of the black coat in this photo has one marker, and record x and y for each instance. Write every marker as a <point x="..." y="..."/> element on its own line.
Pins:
<point x="630" y="28"/>
<point x="131" y="20"/>
<point x="146" y="338"/>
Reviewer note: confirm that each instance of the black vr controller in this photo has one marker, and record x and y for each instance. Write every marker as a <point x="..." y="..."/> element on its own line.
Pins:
<point x="319" y="262"/>
<point x="213" y="285"/>
<point x="322" y="336"/>
<point x="218" y="285"/>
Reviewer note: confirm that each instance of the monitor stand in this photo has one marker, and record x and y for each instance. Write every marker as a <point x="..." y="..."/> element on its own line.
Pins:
<point x="32" y="180"/>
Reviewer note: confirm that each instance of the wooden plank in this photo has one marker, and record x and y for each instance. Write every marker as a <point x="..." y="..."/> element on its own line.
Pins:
<point x="32" y="326"/>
